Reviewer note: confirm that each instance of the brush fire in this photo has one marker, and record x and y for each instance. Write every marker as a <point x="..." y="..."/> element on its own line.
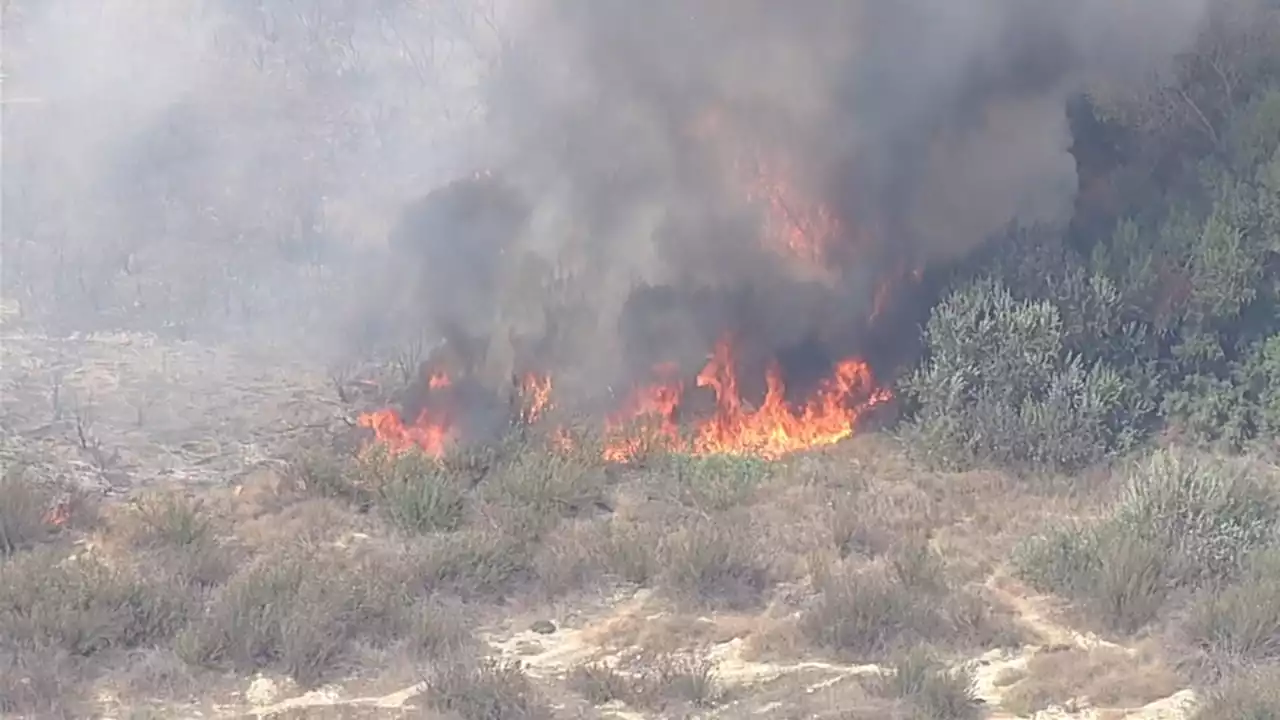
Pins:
<point x="733" y="403"/>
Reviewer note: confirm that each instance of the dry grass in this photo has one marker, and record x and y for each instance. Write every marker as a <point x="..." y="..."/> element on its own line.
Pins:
<point x="1185" y="522"/>
<point x="1253" y="695"/>
<point x="871" y="612"/>
<point x="304" y="611"/>
<point x="390" y="556"/>
<point x="1238" y="626"/>
<point x="1109" y="677"/>
<point x="485" y="690"/>
<point x="654" y="683"/>
<point x="930" y="690"/>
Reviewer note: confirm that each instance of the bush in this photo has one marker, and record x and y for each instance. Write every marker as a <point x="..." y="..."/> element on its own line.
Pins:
<point x="301" y="612"/>
<point x="485" y="690"/>
<point x="1240" y="625"/>
<point x="1253" y="696"/>
<point x="716" y="563"/>
<point x="413" y="490"/>
<point x="23" y="508"/>
<point x="83" y="605"/>
<point x="933" y="691"/>
<point x="714" y="483"/>
<point x="662" y="680"/>
<point x="999" y="386"/>
<point x="1184" y="521"/>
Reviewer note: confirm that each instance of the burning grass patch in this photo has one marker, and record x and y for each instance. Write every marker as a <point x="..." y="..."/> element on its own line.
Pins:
<point x="1185" y="522"/>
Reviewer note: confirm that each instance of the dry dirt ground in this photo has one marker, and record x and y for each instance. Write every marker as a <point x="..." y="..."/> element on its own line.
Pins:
<point x="817" y="587"/>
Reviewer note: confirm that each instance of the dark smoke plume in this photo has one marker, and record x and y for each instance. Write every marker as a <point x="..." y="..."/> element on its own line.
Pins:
<point x="924" y="126"/>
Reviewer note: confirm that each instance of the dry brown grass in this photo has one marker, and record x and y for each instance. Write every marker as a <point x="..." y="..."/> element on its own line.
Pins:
<point x="870" y="612"/>
<point x="1109" y="677"/>
<point x="1251" y="695"/>
<point x="656" y="682"/>
<point x="318" y="570"/>
<point x="485" y="690"/>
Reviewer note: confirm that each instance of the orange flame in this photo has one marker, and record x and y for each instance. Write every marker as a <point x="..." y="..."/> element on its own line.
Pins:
<point x="770" y="431"/>
<point x="775" y="428"/>
<point x="425" y="433"/>
<point x="429" y="432"/>
<point x="654" y="406"/>
<point x="58" y="515"/>
<point x="536" y="392"/>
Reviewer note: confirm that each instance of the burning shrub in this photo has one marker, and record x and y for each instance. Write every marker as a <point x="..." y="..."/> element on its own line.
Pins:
<point x="999" y="386"/>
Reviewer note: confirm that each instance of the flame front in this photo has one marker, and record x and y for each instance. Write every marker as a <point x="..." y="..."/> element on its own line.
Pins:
<point x="770" y="431"/>
<point x="427" y="433"/>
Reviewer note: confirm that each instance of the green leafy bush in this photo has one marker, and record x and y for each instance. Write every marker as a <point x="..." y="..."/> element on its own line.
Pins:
<point x="1000" y="386"/>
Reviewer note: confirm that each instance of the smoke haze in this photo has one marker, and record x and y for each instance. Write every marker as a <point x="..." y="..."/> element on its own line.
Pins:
<point x="240" y="151"/>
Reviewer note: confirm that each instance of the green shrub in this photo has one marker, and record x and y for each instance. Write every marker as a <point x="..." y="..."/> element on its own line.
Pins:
<point x="413" y="490"/>
<point x="998" y="386"/>
<point x="1184" y="521"/>
<point x="714" y="483"/>
<point x="1240" y="624"/>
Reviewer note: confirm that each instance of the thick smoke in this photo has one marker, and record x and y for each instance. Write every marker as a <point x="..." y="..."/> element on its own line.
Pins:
<point x="233" y="163"/>
<point x="925" y="126"/>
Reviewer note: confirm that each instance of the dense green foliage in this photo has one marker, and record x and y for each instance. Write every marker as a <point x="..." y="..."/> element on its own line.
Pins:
<point x="1157" y="309"/>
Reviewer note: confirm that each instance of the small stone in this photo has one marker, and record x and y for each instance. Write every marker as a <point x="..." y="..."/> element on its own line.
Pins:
<point x="543" y="627"/>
